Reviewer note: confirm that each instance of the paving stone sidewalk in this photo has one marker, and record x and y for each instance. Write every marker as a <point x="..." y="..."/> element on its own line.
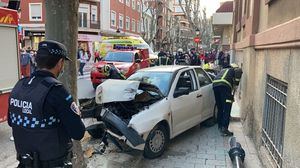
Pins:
<point x="199" y="147"/>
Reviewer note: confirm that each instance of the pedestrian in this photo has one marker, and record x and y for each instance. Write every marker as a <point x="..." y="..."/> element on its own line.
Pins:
<point x="223" y="85"/>
<point x="97" y="56"/>
<point x="163" y="59"/>
<point x="32" y="61"/>
<point x="194" y="57"/>
<point x="83" y="58"/>
<point x="43" y="115"/>
<point x="226" y="60"/>
<point x="25" y="63"/>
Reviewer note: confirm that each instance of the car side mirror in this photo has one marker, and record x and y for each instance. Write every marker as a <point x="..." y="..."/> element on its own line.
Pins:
<point x="181" y="92"/>
<point x="138" y="61"/>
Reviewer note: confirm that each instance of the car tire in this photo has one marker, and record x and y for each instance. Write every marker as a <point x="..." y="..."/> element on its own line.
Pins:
<point x="157" y="142"/>
<point x="95" y="86"/>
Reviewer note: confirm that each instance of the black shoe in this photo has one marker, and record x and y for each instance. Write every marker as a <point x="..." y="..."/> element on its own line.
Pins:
<point x="226" y="132"/>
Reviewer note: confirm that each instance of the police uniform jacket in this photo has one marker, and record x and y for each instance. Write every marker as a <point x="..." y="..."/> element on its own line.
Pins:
<point x="43" y="117"/>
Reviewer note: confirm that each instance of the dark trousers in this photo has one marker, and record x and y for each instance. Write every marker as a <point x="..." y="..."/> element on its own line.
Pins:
<point x="81" y="68"/>
<point x="224" y="100"/>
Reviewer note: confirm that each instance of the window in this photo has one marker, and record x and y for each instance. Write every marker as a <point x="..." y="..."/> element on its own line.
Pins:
<point x="202" y="77"/>
<point x="133" y="25"/>
<point x="83" y="12"/>
<point x="138" y="6"/>
<point x="35" y="11"/>
<point x="128" y="2"/>
<point x="94" y="14"/>
<point x="122" y="1"/>
<point x="127" y="23"/>
<point x="274" y="118"/>
<point x="138" y="27"/>
<point x="113" y="18"/>
<point x="185" y="82"/>
<point x="133" y="4"/>
<point x="121" y="21"/>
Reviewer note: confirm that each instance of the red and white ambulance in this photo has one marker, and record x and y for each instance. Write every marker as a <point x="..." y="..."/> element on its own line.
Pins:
<point x="9" y="57"/>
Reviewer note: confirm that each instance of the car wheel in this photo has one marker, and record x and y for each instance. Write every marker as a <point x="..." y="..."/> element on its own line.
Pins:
<point x="156" y="142"/>
<point x="95" y="86"/>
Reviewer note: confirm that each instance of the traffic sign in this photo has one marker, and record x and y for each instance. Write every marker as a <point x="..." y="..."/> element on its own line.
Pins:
<point x="197" y="40"/>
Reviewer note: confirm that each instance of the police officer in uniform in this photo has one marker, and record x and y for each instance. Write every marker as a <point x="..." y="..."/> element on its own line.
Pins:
<point x="43" y="115"/>
<point x="112" y="72"/>
<point x="223" y="85"/>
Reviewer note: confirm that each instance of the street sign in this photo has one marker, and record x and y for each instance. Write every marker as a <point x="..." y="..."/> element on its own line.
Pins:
<point x="197" y="40"/>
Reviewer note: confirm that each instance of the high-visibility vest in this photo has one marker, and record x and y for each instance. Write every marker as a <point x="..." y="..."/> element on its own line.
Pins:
<point x="225" y="77"/>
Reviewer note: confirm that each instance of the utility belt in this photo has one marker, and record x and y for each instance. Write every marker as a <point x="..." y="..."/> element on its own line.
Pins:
<point x="33" y="161"/>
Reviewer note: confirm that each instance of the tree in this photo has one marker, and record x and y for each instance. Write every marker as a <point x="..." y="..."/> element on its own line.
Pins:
<point x="197" y="19"/>
<point x="62" y="26"/>
<point x="150" y="14"/>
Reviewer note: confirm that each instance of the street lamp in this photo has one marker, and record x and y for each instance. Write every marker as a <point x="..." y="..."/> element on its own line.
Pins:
<point x="197" y="34"/>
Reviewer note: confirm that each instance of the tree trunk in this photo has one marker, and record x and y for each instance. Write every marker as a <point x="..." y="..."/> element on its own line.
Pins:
<point x="62" y="25"/>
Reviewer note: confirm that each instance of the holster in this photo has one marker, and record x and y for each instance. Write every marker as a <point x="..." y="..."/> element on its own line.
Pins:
<point x="28" y="160"/>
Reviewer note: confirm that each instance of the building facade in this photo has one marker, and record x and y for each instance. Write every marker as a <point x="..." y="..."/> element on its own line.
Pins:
<point x="222" y="24"/>
<point x="266" y="43"/>
<point x="121" y="15"/>
<point x="95" y="19"/>
<point x="183" y="31"/>
<point x="32" y="22"/>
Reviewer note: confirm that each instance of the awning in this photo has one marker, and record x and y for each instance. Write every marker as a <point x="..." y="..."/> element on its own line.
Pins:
<point x="88" y="37"/>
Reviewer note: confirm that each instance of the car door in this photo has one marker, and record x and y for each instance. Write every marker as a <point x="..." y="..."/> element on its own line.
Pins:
<point x="206" y="91"/>
<point x="183" y="106"/>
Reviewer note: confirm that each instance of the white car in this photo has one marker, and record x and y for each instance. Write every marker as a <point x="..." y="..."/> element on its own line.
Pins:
<point x="155" y="104"/>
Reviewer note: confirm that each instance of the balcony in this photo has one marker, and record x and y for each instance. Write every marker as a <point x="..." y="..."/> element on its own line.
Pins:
<point x="88" y="25"/>
<point x="223" y="18"/>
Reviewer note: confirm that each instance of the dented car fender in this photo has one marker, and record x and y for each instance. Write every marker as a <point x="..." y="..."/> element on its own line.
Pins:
<point x="156" y="113"/>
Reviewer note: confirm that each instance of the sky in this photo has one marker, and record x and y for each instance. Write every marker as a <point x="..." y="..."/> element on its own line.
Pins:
<point x="211" y="6"/>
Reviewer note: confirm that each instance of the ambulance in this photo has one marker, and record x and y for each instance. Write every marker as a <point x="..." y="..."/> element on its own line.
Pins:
<point x="9" y="64"/>
<point x="108" y="44"/>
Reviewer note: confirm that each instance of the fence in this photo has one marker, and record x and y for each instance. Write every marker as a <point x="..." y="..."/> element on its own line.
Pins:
<point x="274" y="118"/>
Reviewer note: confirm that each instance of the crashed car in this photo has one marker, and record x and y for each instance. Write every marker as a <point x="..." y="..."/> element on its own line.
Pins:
<point x="154" y="105"/>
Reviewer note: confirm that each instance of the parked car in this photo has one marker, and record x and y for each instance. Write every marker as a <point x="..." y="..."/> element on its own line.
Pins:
<point x="155" y="105"/>
<point x="128" y="61"/>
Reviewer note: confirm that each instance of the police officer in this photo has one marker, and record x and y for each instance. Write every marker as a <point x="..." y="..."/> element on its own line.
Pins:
<point x="43" y="115"/>
<point x="112" y="72"/>
<point x="223" y="86"/>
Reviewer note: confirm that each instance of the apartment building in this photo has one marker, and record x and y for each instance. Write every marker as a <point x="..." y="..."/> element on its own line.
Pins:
<point x="183" y="29"/>
<point x="121" y="17"/>
<point x="32" y="22"/>
<point x="266" y="43"/>
<point x="222" y="24"/>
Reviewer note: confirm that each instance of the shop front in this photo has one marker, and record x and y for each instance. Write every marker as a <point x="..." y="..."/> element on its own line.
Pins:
<point x="89" y="42"/>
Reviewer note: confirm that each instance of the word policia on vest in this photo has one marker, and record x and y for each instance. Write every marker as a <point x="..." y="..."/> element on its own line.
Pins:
<point x="26" y="106"/>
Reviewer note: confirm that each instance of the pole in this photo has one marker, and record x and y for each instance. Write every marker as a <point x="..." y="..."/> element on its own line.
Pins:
<point x="236" y="153"/>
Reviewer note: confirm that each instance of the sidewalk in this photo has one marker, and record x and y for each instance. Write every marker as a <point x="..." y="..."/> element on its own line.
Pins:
<point x="199" y="147"/>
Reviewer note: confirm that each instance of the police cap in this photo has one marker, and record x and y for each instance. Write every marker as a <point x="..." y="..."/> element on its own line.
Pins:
<point x="53" y="48"/>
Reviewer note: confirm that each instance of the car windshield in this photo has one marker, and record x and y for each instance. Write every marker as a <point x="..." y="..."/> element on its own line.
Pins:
<point x="119" y="57"/>
<point x="161" y="80"/>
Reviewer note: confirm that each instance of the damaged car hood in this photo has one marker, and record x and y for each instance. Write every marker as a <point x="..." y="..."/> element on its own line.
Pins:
<point x="113" y="90"/>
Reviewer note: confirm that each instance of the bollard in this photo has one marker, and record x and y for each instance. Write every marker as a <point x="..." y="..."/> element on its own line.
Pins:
<point x="236" y="153"/>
